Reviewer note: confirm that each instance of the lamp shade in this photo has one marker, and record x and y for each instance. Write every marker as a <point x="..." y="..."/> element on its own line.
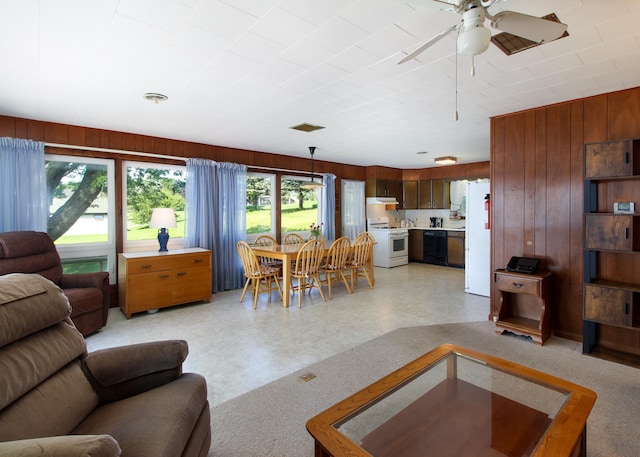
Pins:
<point x="163" y="218"/>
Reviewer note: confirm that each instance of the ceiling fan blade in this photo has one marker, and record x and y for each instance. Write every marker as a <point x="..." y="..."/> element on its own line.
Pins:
<point x="431" y="42"/>
<point x="530" y="27"/>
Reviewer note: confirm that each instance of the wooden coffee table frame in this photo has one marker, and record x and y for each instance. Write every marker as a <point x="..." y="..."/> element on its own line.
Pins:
<point x="565" y="436"/>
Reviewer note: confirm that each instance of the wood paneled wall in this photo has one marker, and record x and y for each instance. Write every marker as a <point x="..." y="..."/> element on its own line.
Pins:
<point x="537" y="198"/>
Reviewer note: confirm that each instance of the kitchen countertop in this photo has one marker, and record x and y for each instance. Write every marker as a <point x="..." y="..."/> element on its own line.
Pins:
<point x="448" y="229"/>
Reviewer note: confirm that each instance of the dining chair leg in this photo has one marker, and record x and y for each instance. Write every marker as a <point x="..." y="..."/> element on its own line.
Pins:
<point x="246" y="284"/>
<point x="256" y="289"/>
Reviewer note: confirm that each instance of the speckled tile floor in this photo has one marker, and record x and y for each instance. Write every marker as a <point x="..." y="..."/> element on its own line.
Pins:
<point x="239" y="349"/>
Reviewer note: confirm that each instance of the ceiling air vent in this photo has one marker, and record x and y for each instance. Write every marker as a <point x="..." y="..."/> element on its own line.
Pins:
<point x="306" y="127"/>
<point x="511" y="44"/>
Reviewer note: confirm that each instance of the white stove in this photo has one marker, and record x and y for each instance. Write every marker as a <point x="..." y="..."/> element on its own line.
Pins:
<point x="392" y="243"/>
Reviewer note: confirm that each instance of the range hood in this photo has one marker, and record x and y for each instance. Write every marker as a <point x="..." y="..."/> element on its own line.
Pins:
<point x="382" y="201"/>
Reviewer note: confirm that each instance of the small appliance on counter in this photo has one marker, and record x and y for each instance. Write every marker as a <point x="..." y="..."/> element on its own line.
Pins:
<point x="436" y="222"/>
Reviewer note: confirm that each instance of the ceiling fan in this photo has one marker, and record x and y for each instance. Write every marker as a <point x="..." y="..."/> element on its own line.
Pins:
<point x="474" y="37"/>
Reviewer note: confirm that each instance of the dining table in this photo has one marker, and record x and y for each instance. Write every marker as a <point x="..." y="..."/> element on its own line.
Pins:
<point x="288" y="253"/>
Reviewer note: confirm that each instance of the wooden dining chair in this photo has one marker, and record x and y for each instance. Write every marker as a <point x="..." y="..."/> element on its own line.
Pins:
<point x="335" y="264"/>
<point x="360" y="263"/>
<point x="306" y="269"/>
<point x="266" y="241"/>
<point x="293" y="238"/>
<point x="260" y="276"/>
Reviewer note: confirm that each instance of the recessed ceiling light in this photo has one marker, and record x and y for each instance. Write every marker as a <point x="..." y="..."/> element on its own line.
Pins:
<point x="155" y="98"/>
<point x="422" y="152"/>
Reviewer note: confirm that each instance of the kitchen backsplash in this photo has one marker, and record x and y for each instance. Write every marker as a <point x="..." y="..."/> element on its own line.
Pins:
<point x="421" y="217"/>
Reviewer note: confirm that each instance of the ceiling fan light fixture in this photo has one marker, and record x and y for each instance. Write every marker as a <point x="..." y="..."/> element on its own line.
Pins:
<point x="155" y="97"/>
<point x="474" y="41"/>
<point x="448" y="160"/>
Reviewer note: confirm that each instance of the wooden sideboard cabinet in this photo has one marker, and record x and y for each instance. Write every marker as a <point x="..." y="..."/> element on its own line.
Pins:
<point x="611" y="293"/>
<point x="524" y="304"/>
<point x="152" y="280"/>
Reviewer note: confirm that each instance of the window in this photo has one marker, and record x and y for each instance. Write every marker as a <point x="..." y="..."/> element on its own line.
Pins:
<point x="260" y="214"/>
<point x="299" y="206"/>
<point x="149" y="186"/>
<point x="81" y="219"/>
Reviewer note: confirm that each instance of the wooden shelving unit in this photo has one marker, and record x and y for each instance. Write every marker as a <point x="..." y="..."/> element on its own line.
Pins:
<point x="611" y="251"/>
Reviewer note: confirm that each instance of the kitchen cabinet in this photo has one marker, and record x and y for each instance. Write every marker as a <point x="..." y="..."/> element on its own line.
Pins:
<point x="416" y="246"/>
<point x="434" y="194"/>
<point x="523" y="306"/>
<point x="152" y="280"/>
<point x="611" y="292"/>
<point x="384" y="188"/>
<point x="455" y="248"/>
<point x="410" y="195"/>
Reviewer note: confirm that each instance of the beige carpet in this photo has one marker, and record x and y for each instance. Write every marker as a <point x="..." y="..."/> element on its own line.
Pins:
<point x="270" y="420"/>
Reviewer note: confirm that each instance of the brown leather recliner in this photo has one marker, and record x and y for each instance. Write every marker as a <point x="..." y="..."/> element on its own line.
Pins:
<point x="57" y="399"/>
<point x="34" y="252"/>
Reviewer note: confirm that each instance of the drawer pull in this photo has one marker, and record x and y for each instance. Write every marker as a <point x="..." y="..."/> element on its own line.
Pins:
<point x="626" y="233"/>
<point x="518" y="285"/>
<point x="163" y="276"/>
<point x="145" y="267"/>
<point x="182" y="273"/>
<point x="626" y="308"/>
<point x="196" y="261"/>
<point x="626" y="157"/>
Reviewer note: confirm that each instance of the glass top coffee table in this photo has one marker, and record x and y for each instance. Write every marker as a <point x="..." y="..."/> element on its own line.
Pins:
<point x="454" y="401"/>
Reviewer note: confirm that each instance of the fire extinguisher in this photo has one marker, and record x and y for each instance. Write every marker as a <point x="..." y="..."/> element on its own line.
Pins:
<point x="487" y="211"/>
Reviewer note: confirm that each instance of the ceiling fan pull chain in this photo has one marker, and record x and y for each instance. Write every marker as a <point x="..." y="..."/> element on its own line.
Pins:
<point x="455" y="116"/>
<point x="473" y="66"/>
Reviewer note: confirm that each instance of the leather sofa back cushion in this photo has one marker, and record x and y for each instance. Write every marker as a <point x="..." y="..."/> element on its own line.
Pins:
<point x="28" y="362"/>
<point x="21" y="306"/>
<point x="54" y="407"/>
<point x="29" y="252"/>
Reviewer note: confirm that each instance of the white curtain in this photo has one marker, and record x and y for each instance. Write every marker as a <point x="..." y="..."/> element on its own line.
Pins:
<point x="215" y="217"/>
<point x="328" y="206"/>
<point x="23" y="205"/>
<point x="353" y="208"/>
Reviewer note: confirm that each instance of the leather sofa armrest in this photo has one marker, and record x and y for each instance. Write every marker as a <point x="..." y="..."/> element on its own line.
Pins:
<point x="63" y="446"/>
<point x="84" y="280"/>
<point x="124" y="371"/>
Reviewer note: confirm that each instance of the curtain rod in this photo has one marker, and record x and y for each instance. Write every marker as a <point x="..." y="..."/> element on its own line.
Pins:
<point x="159" y="156"/>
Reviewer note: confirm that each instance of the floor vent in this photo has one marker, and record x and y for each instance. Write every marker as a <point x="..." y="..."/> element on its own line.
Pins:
<point x="307" y="377"/>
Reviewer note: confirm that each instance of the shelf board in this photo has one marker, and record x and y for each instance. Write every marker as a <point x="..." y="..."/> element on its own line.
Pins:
<point x="615" y="284"/>
<point x="520" y="324"/>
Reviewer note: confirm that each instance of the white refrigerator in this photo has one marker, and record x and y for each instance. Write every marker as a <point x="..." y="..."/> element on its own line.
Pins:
<point x="477" y="268"/>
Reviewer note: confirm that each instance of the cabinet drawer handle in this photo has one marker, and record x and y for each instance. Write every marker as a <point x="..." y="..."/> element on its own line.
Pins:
<point x="518" y="285"/>
<point x="145" y="267"/>
<point x="626" y="157"/>
<point x="163" y="276"/>
<point x="626" y="308"/>
<point x="182" y="273"/>
<point x="626" y="233"/>
<point x="196" y="261"/>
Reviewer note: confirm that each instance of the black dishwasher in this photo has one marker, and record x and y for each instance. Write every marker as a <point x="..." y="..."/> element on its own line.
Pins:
<point x="435" y="247"/>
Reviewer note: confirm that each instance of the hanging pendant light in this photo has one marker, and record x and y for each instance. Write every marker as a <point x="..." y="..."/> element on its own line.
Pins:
<point x="312" y="184"/>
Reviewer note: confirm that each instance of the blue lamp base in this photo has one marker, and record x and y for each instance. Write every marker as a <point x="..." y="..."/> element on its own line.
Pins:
<point x="163" y="239"/>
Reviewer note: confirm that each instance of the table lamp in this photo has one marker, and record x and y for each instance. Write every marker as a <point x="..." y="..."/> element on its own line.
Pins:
<point x="163" y="218"/>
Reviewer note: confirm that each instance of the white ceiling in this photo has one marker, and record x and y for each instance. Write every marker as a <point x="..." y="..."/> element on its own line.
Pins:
<point x="239" y="73"/>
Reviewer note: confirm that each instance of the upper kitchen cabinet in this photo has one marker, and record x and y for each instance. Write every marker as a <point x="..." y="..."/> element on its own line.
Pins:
<point x="612" y="159"/>
<point x="434" y="194"/>
<point x="410" y="195"/>
<point x="384" y="188"/>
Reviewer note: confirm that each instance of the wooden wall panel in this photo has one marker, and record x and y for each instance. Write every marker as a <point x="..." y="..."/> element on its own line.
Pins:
<point x="497" y="205"/>
<point x="624" y="114"/>
<point x="554" y="138"/>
